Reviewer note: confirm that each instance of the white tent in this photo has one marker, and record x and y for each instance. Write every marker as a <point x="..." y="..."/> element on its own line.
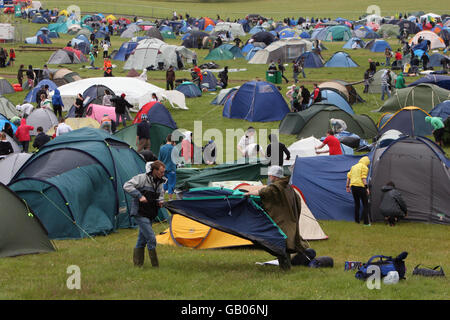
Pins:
<point x="436" y="41"/>
<point x="304" y="148"/>
<point x="286" y="50"/>
<point x="235" y="29"/>
<point x="11" y="164"/>
<point x="137" y="92"/>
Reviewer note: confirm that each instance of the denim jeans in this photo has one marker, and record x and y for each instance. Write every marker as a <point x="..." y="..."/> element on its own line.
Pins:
<point x="146" y="235"/>
<point x="124" y="120"/>
<point x="385" y="89"/>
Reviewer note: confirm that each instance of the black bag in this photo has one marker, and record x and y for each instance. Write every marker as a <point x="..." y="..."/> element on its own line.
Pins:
<point x="150" y="208"/>
<point x="427" y="272"/>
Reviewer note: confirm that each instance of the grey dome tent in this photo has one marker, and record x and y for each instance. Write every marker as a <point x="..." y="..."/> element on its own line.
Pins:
<point x="7" y="108"/>
<point x="420" y="171"/>
<point x="11" y="164"/>
<point x="62" y="56"/>
<point x="6" y="87"/>
<point x="42" y="117"/>
<point x="154" y="32"/>
<point x="21" y="232"/>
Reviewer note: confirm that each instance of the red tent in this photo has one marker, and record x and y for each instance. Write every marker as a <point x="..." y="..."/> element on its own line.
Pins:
<point x="144" y="110"/>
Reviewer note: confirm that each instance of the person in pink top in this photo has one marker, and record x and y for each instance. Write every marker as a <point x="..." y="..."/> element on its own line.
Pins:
<point x="334" y="145"/>
<point x="23" y="134"/>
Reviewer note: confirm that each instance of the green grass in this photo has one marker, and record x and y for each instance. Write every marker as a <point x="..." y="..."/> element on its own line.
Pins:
<point x="106" y="263"/>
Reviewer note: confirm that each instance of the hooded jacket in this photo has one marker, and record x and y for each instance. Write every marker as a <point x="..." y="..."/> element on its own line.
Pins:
<point x="392" y="203"/>
<point x="358" y="172"/>
<point x="56" y="99"/>
<point x="23" y="131"/>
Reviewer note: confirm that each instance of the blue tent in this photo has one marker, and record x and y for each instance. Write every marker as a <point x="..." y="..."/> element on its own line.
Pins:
<point x="245" y="25"/>
<point x="305" y="35"/>
<point x="3" y="121"/>
<point x="435" y="60"/>
<point x="441" y="110"/>
<point x="189" y="89"/>
<point x="341" y="60"/>
<point x="124" y="51"/>
<point x="256" y="29"/>
<point x="209" y="81"/>
<point x="322" y="181"/>
<point x="31" y="96"/>
<point x="257" y="101"/>
<point x="354" y="41"/>
<point x="312" y="60"/>
<point x="377" y="45"/>
<point x="247" y="48"/>
<point x="231" y="212"/>
<point x="409" y="121"/>
<point x="221" y="101"/>
<point x="287" y="33"/>
<point x="252" y="52"/>
<point x="332" y="97"/>
<point x="439" y="80"/>
<point x="158" y="114"/>
<point x="38" y="39"/>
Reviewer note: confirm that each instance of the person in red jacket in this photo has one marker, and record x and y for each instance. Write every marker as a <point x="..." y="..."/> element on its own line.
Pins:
<point x="334" y="145"/>
<point x="23" y="134"/>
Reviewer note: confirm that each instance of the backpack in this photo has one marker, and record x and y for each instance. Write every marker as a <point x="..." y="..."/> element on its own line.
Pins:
<point x="386" y="264"/>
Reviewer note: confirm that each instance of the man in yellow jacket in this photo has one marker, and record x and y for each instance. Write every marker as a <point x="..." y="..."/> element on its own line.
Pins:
<point x="357" y="184"/>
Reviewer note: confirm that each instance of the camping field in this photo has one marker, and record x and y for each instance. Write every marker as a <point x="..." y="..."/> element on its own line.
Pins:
<point x="105" y="262"/>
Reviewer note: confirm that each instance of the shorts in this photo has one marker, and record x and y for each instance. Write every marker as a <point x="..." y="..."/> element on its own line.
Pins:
<point x="171" y="181"/>
<point x="438" y="134"/>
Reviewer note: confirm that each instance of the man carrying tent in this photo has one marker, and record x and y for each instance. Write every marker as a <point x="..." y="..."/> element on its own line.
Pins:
<point x="147" y="191"/>
<point x="284" y="206"/>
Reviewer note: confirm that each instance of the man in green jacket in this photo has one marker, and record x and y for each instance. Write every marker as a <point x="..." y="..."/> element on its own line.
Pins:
<point x="438" y="129"/>
<point x="400" y="82"/>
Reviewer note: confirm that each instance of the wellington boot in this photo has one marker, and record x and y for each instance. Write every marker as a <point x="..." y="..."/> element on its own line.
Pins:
<point x="284" y="262"/>
<point x="153" y="257"/>
<point x="138" y="256"/>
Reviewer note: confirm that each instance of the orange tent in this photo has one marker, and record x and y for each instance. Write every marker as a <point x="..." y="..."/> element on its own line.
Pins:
<point x="208" y="21"/>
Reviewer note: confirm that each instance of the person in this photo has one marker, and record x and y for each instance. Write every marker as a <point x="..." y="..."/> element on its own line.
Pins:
<point x="147" y="192"/>
<point x="107" y="63"/>
<point x="20" y="75"/>
<point x="8" y="129"/>
<point x="317" y="95"/>
<point x="223" y="76"/>
<point x="301" y="66"/>
<point x="272" y="66"/>
<point x="63" y="127"/>
<point x="400" y="81"/>
<point x="399" y="56"/>
<point x="333" y="143"/>
<point x="392" y="205"/>
<point x="337" y="125"/>
<point x="438" y="129"/>
<point x="2" y="58"/>
<point x="372" y="67"/>
<point x="12" y="57"/>
<point x="425" y="59"/>
<point x="121" y="105"/>
<point x="79" y="106"/>
<point x="91" y="59"/>
<point x="165" y="155"/>
<point x="106" y="123"/>
<point x="40" y="139"/>
<point x="357" y="185"/>
<point x="246" y="140"/>
<point x="170" y="78"/>
<point x="187" y="148"/>
<point x="209" y="152"/>
<point x="388" y="55"/>
<point x="143" y="134"/>
<point x="281" y="68"/>
<point x="367" y="79"/>
<point x="305" y="97"/>
<point x="31" y="76"/>
<point x="39" y="96"/>
<point x="5" y="146"/>
<point x="23" y="134"/>
<point x="284" y="207"/>
<point x="385" y="84"/>
<point x="105" y="47"/>
<point x="276" y="150"/>
<point x="295" y="70"/>
<point x="296" y="97"/>
<point x="154" y="97"/>
<point x="45" y="73"/>
<point x="106" y="100"/>
<point x="253" y="150"/>
<point x="57" y="103"/>
<point x="108" y="73"/>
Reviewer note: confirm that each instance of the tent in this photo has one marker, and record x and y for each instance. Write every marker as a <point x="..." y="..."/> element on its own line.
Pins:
<point x="423" y="95"/>
<point x="256" y="101"/>
<point x="285" y="50"/>
<point x="38" y="39"/>
<point x="322" y="182"/>
<point x="375" y="83"/>
<point x="97" y="112"/>
<point x="63" y="76"/>
<point x="312" y="60"/>
<point x="304" y="148"/>
<point x="5" y="87"/>
<point x="31" y="96"/>
<point x="389" y="31"/>
<point x="441" y="110"/>
<point x="219" y="54"/>
<point x="95" y="93"/>
<point x="263" y="36"/>
<point x="209" y="81"/>
<point x="436" y="41"/>
<point x="85" y="163"/>
<point x="77" y="123"/>
<point x="189" y="89"/>
<point x="223" y="95"/>
<point x="156" y="113"/>
<point x="409" y="121"/>
<point x="236" y="29"/>
<point x="7" y="108"/>
<point x="42" y="117"/>
<point x="124" y="51"/>
<point x="354" y="43"/>
<point x="21" y="231"/>
<point x="194" y="39"/>
<point x="63" y="56"/>
<point x="341" y="60"/>
<point x="331" y="96"/>
<point x="420" y="171"/>
<point x="10" y="164"/>
<point x="377" y="45"/>
<point x="337" y="33"/>
<point x="436" y="60"/>
<point x="442" y="81"/>
<point x="315" y="121"/>
<point x="252" y="52"/>
<point x="154" y="32"/>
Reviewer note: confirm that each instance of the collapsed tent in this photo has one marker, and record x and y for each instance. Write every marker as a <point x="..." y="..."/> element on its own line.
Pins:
<point x="304" y="148"/>
<point x="96" y="112"/>
<point x="437" y="59"/>
<point x="194" y="39"/>
<point x="315" y="121"/>
<point x="409" y="121"/>
<point x="420" y="171"/>
<point x="223" y="95"/>
<point x="341" y="60"/>
<point x="354" y="43"/>
<point x="21" y="231"/>
<point x="424" y="95"/>
<point x="64" y="195"/>
<point x="256" y="101"/>
<point x="441" y="110"/>
<point x="285" y="50"/>
<point x="263" y="36"/>
<point x="77" y="123"/>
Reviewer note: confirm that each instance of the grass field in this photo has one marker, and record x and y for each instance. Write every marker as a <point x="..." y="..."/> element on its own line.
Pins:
<point x="106" y="262"/>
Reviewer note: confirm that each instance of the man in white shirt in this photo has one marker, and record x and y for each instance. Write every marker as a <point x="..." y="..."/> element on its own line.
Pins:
<point x="105" y="47"/>
<point x="62" y="127"/>
<point x="252" y="151"/>
<point x="246" y="140"/>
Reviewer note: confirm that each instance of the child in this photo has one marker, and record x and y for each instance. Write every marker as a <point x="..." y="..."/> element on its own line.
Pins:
<point x="12" y="57"/>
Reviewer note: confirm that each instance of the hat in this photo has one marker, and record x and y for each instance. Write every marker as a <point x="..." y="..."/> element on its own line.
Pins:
<point x="123" y="95"/>
<point x="275" y="171"/>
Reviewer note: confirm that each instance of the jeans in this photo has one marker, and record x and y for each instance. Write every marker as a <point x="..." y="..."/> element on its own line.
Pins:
<point x="360" y="195"/>
<point x="171" y="181"/>
<point x="146" y="235"/>
<point x="385" y="89"/>
<point x="124" y="119"/>
<point x="388" y="61"/>
<point x="296" y="77"/>
<point x="25" y="146"/>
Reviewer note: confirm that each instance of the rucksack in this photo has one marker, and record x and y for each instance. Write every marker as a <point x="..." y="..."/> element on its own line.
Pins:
<point x="386" y="264"/>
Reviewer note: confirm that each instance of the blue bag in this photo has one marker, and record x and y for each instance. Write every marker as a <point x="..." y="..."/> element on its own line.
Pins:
<point x="385" y="264"/>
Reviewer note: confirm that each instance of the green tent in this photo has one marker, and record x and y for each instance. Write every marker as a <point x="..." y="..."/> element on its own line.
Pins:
<point x="158" y="135"/>
<point x="338" y="33"/>
<point x="219" y="54"/>
<point x="21" y="232"/>
<point x="58" y="27"/>
<point x="423" y="95"/>
<point x="241" y="171"/>
<point x="168" y="35"/>
<point x="389" y="30"/>
<point x="74" y="183"/>
<point x="315" y="121"/>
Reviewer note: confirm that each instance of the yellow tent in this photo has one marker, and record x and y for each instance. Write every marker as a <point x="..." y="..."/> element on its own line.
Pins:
<point x="63" y="12"/>
<point x="189" y="233"/>
<point x="77" y="123"/>
<point x="110" y="17"/>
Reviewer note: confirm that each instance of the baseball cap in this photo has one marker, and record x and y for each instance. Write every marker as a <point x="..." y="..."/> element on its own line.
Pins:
<point x="275" y="171"/>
